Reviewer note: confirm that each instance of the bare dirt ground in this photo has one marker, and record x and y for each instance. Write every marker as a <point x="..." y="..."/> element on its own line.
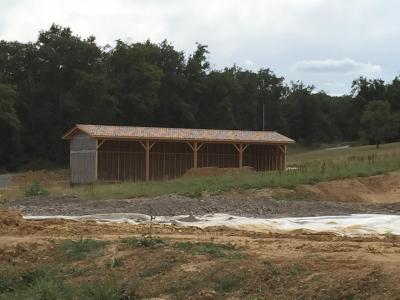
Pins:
<point x="296" y="265"/>
<point x="374" y="189"/>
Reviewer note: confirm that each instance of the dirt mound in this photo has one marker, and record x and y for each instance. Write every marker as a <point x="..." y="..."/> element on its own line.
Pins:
<point x="373" y="189"/>
<point x="10" y="218"/>
<point x="215" y="171"/>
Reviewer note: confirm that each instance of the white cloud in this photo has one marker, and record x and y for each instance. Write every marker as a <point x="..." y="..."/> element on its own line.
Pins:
<point x="343" y="66"/>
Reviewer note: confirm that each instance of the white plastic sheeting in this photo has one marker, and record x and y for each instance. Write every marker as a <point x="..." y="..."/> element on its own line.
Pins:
<point x="351" y="225"/>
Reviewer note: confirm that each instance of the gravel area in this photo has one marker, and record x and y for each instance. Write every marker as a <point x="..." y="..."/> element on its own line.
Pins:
<point x="239" y="205"/>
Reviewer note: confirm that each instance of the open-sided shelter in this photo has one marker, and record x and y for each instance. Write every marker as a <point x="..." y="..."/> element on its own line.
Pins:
<point x="122" y="153"/>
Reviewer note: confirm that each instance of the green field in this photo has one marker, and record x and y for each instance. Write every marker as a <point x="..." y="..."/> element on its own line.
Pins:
<point x="307" y="167"/>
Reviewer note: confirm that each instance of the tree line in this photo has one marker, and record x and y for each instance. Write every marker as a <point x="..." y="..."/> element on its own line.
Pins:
<point x="61" y="79"/>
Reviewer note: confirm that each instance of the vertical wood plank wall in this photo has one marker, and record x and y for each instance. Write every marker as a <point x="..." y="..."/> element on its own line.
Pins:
<point x="83" y="159"/>
<point x="121" y="161"/>
<point x="125" y="160"/>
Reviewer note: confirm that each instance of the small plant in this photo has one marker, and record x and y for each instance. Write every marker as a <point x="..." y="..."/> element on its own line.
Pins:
<point x="114" y="262"/>
<point x="148" y="241"/>
<point x="294" y="269"/>
<point x="36" y="189"/>
<point x="79" y="249"/>
<point x="272" y="268"/>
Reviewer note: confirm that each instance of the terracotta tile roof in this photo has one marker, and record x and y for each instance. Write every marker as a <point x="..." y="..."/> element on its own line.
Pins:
<point x="181" y="134"/>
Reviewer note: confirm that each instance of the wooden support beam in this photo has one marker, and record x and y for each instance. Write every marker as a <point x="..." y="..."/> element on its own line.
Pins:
<point x="195" y="147"/>
<point x="147" y="145"/>
<point x="240" y="148"/>
<point x="99" y="143"/>
<point x="96" y="163"/>
<point x="195" y="155"/>
<point x="282" y="157"/>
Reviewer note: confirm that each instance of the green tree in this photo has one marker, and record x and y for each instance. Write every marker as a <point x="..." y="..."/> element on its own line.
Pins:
<point x="135" y="80"/>
<point x="379" y="122"/>
<point x="9" y="126"/>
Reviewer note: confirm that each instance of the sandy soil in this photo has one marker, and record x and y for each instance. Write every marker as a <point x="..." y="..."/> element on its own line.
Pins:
<point x="274" y="266"/>
<point x="373" y="189"/>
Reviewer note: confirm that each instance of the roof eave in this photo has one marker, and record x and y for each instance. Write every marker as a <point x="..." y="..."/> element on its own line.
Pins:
<point x="190" y="140"/>
<point x="69" y="134"/>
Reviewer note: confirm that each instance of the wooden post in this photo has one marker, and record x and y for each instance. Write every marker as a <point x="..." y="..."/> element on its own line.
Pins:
<point x="195" y="147"/>
<point x="147" y="147"/>
<point x="240" y="148"/>
<point x="282" y="157"/>
<point x="96" y="163"/>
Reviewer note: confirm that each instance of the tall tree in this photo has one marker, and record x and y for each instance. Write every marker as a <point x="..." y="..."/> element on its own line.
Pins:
<point x="380" y="123"/>
<point x="135" y="81"/>
<point x="196" y="74"/>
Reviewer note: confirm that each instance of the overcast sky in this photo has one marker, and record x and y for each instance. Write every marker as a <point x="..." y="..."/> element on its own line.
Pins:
<point x="321" y="42"/>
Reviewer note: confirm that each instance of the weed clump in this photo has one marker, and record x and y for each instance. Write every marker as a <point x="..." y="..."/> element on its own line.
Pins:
<point x="36" y="189"/>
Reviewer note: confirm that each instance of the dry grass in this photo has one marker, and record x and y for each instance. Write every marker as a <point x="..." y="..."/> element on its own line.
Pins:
<point x="342" y="154"/>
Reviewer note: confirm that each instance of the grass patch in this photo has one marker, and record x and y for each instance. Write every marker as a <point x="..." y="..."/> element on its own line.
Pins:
<point x="148" y="241"/>
<point x="107" y="290"/>
<point x="185" y="246"/>
<point x="162" y="268"/>
<point x="229" y="283"/>
<point x="216" y="250"/>
<point x="80" y="249"/>
<point x="42" y="283"/>
<point x="7" y="283"/>
<point x="75" y="271"/>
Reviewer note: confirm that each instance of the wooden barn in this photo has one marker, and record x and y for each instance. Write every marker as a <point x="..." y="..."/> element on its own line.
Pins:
<point x="121" y="153"/>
